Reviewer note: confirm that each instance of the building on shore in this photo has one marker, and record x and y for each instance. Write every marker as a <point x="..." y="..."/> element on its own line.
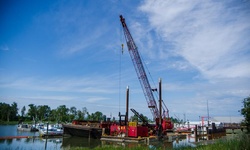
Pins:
<point x="219" y="121"/>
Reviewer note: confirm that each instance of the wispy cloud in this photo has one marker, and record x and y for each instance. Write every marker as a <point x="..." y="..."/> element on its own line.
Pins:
<point x="210" y="35"/>
<point x="96" y="99"/>
<point x="91" y="92"/>
<point x="207" y="42"/>
<point x="79" y="85"/>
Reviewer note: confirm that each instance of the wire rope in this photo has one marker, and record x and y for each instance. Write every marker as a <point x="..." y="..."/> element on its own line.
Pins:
<point x="151" y="78"/>
<point x="120" y="62"/>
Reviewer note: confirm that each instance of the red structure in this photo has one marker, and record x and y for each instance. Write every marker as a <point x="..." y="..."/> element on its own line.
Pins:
<point x="117" y="129"/>
<point x="138" y="131"/>
<point x="202" y="120"/>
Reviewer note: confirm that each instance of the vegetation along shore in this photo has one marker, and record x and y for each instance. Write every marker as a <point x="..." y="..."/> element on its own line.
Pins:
<point x="62" y="114"/>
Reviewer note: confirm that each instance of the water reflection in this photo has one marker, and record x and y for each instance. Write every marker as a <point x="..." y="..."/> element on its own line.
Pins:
<point x="74" y="142"/>
<point x="56" y="142"/>
<point x="161" y="144"/>
<point x="31" y="143"/>
<point x="152" y="145"/>
<point x="9" y="141"/>
<point x="70" y="142"/>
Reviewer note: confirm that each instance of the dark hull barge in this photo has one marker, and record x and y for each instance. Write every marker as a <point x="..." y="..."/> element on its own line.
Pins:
<point x="88" y="129"/>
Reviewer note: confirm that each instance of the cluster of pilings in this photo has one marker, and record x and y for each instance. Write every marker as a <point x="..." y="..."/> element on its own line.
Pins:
<point x="204" y="133"/>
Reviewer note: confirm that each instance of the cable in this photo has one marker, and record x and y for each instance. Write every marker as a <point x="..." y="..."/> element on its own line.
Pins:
<point x="120" y="70"/>
<point x="156" y="95"/>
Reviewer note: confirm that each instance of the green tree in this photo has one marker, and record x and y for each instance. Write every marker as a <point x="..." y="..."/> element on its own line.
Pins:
<point x="14" y="112"/>
<point x="43" y="112"/>
<point x="174" y="120"/>
<point x="245" y="111"/>
<point x="5" y="110"/>
<point x="98" y="116"/>
<point x="84" y="111"/>
<point x="73" y="113"/>
<point x="32" y="112"/>
<point x="8" y="112"/>
<point x="91" y="117"/>
<point x="23" y="111"/>
<point x="62" y="112"/>
<point x="79" y="115"/>
<point x="134" y="118"/>
<point x="53" y="115"/>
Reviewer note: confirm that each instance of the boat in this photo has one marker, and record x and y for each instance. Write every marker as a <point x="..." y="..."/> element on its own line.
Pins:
<point x="51" y="130"/>
<point x="183" y="130"/>
<point x="26" y="127"/>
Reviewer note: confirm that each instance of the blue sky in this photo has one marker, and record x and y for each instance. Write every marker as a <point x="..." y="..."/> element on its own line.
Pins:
<point x="69" y="53"/>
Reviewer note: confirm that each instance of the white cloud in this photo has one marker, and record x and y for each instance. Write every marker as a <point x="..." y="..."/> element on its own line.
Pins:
<point x="96" y="99"/>
<point x="61" y="84"/>
<point x="212" y="36"/>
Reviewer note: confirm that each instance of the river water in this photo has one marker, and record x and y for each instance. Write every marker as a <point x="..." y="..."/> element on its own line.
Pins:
<point x="37" y="142"/>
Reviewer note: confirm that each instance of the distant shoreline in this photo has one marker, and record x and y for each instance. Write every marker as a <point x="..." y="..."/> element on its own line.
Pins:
<point x="8" y="123"/>
<point x="16" y="122"/>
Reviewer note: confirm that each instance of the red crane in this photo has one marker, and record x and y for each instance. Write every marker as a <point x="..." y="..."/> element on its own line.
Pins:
<point x="139" y="68"/>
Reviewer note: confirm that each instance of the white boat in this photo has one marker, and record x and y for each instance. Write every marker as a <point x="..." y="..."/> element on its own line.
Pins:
<point x="26" y="127"/>
<point x="52" y="130"/>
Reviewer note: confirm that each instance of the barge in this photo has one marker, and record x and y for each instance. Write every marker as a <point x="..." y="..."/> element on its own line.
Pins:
<point x="81" y="128"/>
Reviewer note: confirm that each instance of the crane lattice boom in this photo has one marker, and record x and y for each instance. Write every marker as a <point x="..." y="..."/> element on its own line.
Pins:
<point x="137" y="62"/>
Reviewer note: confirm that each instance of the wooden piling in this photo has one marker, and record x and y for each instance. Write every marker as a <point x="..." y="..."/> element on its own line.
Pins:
<point x="195" y="134"/>
<point x="127" y="106"/>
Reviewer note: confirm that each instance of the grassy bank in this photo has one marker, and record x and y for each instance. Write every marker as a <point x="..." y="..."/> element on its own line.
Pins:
<point x="231" y="142"/>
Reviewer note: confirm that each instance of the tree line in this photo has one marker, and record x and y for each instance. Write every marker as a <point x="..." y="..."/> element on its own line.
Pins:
<point x="60" y="114"/>
<point x="9" y="112"/>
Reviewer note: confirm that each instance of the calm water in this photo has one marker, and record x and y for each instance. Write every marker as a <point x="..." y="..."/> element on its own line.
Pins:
<point x="63" y="143"/>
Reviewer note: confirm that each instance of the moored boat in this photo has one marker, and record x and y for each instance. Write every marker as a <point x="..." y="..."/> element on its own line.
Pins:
<point x="26" y="127"/>
<point x="51" y="130"/>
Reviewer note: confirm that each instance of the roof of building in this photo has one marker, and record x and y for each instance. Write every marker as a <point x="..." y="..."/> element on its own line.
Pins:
<point x="228" y="119"/>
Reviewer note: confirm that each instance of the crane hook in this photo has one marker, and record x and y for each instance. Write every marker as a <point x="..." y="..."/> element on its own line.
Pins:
<point x="122" y="48"/>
